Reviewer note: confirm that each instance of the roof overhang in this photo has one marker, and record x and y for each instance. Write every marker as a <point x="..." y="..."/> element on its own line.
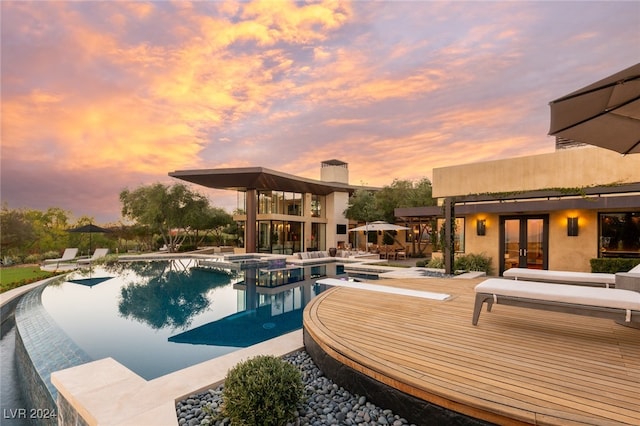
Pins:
<point x="622" y="196"/>
<point x="262" y="179"/>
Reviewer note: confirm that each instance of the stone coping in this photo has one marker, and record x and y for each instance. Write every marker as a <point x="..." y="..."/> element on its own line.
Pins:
<point x="104" y="392"/>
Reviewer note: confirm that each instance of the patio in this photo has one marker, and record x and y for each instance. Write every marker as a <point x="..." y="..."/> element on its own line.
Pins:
<point x="517" y="366"/>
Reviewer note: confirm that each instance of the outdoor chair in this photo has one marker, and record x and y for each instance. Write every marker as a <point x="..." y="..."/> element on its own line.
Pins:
<point x="618" y="304"/>
<point x="97" y="254"/>
<point x="69" y="255"/>
<point x="565" y="277"/>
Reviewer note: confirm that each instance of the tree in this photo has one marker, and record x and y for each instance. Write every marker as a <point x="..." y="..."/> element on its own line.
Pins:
<point x="405" y="193"/>
<point x="50" y="228"/>
<point x="366" y="206"/>
<point x="17" y="231"/>
<point x="211" y="221"/>
<point x="167" y="210"/>
<point x="362" y="207"/>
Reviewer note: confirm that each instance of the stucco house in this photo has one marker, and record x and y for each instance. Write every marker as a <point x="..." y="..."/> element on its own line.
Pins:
<point x="548" y="211"/>
<point x="282" y="213"/>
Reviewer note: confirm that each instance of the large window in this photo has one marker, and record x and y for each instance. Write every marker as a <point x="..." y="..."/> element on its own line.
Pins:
<point x="317" y="205"/>
<point x="278" y="236"/>
<point x="279" y="202"/>
<point x="619" y="234"/>
<point x="318" y="239"/>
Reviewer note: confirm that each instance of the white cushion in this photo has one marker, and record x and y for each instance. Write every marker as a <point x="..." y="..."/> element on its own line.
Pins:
<point x="566" y="276"/>
<point x="592" y="296"/>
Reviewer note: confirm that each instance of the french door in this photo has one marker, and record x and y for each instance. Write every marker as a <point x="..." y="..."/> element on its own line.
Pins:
<point x="524" y="242"/>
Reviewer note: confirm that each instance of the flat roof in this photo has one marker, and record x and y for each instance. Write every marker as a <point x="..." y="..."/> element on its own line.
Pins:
<point x="262" y="179"/>
<point x="623" y="196"/>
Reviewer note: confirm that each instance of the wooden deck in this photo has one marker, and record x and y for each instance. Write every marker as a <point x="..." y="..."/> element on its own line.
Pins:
<point x="517" y="366"/>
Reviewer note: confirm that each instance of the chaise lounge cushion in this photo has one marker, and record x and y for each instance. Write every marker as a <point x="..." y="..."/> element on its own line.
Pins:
<point x="584" y="278"/>
<point x="591" y="296"/>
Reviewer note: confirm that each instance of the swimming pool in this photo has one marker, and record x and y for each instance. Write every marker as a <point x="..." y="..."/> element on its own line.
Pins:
<point x="156" y="317"/>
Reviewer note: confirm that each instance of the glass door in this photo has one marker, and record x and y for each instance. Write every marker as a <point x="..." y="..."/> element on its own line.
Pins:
<point x="524" y="242"/>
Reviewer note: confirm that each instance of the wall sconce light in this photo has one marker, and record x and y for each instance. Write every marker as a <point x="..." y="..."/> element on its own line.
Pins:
<point x="481" y="227"/>
<point x="572" y="226"/>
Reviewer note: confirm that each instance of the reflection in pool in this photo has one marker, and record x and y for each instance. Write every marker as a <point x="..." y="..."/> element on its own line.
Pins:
<point x="162" y="316"/>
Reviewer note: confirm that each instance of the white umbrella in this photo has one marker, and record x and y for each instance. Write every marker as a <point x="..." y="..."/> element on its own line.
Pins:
<point x="378" y="225"/>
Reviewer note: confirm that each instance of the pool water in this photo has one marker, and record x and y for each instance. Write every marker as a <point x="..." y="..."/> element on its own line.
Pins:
<point x="161" y="316"/>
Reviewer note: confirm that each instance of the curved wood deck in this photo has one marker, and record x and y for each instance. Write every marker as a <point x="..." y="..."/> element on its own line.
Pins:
<point x="517" y="366"/>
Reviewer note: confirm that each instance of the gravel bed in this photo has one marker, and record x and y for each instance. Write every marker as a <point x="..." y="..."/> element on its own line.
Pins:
<point x="325" y="404"/>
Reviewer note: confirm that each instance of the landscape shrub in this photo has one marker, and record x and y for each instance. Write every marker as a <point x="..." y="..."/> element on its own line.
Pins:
<point x="33" y="258"/>
<point x="187" y="247"/>
<point x="436" y="263"/>
<point x="473" y="262"/>
<point x="466" y="262"/>
<point x="264" y="390"/>
<point x="611" y="265"/>
<point x="421" y="263"/>
<point x="52" y="254"/>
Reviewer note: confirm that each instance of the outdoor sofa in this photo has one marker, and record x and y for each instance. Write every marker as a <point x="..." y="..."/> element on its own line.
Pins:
<point x="617" y="304"/>
<point x="321" y="256"/>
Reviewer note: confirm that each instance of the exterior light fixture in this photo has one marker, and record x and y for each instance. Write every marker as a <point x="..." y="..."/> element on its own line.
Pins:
<point x="572" y="226"/>
<point x="481" y="227"/>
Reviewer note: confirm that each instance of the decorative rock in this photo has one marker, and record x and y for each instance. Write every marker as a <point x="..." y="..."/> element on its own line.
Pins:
<point x="326" y="403"/>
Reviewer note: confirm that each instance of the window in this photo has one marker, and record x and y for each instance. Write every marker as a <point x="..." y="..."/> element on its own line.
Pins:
<point x="318" y="237"/>
<point x="458" y="238"/>
<point x="619" y="234"/>
<point x="317" y="202"/>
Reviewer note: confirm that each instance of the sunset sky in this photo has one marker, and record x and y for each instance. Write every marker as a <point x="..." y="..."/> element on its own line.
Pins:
<point x="102" y="96"/>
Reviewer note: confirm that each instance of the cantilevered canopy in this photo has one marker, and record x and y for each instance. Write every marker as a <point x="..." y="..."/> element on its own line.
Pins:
<point x="261" y="179"/>
<point x="605" y="113"/>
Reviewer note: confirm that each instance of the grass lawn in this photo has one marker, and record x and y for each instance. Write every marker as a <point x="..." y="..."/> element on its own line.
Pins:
<point x="16" y="276"/>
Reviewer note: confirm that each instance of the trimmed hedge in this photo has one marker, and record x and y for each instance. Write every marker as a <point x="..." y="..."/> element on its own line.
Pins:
<point x="611" y="265"/>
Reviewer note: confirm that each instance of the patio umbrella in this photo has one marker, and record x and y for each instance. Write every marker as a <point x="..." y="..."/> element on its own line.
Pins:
<point x="378" y="225"/>
<point x="605" y="113"/>
<point x="89" y="229"/>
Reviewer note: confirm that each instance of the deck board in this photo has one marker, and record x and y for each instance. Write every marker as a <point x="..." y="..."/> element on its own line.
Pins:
<point x="516" y="365"/>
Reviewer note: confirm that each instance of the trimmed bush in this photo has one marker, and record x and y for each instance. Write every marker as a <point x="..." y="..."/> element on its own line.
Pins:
<point x="611" y="265"/>
<point x="421" y="263"/>
<point x="264" y="390"/>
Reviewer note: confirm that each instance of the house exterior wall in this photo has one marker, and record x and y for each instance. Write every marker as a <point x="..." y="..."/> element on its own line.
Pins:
<point x="567" y="168"/>
<point x="581" y="167"/>
<point x="336" y="204"/>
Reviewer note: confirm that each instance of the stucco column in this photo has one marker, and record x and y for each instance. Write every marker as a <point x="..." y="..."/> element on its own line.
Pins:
<point x="250" y="231"/>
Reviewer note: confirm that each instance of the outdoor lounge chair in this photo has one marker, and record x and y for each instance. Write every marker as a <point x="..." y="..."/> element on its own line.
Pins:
<point x="617" y="304"/>
<point x="69" y="255"/>
<point x="565" y="277"/>
<point x="97" y="254"/>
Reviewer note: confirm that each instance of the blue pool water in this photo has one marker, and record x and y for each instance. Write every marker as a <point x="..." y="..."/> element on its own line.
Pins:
<point x="162" y="316"/>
